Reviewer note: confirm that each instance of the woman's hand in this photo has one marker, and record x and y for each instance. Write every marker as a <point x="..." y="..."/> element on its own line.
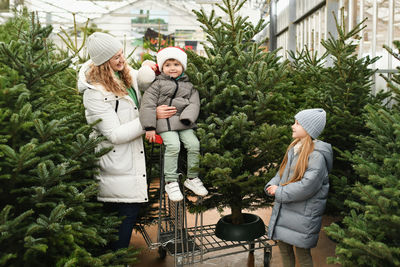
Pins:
<point x="151" y="136"/>
<point x="165" y="112"/>
<point x="272" y="189"/>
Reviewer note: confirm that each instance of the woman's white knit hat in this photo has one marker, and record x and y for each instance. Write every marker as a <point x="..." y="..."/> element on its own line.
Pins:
<point x="101" y="47"/>
<point x="312" y="120"/>
<point x="171" y="52"/>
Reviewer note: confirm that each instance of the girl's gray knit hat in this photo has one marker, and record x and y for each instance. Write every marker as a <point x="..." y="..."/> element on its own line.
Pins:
<point x="101" y="47"/>
<point x="312" y="120"/>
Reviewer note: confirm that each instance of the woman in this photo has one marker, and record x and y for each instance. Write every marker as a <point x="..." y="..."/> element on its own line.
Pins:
<point x="111" y="97"/>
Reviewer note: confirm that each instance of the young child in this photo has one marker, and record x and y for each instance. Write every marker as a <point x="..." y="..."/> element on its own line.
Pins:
<point x="173" y="88"/>
<point x="301" y="188"/>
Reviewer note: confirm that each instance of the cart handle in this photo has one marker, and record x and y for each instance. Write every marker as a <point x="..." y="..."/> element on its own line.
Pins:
<point x="158" y="140"/>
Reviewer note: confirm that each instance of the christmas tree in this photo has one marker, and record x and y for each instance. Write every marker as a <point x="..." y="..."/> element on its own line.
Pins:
<point x="243" y="107"/>
<point x="49" y="215"/>
<point x="342" y="89"/>
<point x="370" y="235"/>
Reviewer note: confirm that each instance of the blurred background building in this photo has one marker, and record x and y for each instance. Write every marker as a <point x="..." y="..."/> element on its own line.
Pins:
<point x="130" y="20"/>
<point x="293" y="24"/>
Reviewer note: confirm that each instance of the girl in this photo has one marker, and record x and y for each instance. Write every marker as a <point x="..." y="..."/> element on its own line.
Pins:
<point x="111" y="96"/>
<point x="301" y="188"/>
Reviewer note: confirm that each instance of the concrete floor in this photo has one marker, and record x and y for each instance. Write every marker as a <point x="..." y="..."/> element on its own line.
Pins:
<point x="150" y="258"/>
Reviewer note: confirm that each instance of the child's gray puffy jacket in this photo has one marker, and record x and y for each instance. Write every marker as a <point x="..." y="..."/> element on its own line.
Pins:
<point x="167" y="91"/>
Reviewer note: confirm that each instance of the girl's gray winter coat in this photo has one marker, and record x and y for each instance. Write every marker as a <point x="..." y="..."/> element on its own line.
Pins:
<point x="298" y="208"/>
<point x="168" y="91"/>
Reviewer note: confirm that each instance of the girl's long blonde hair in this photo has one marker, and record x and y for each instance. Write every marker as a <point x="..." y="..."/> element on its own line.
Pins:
<point x="105" y="76"/>
<point x="306" y="148"/>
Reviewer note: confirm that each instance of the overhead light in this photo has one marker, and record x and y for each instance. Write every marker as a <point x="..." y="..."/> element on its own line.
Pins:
<point x="208" y="2"/>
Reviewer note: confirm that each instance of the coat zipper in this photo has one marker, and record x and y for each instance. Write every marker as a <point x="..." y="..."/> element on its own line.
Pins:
<point x="170" y="102"/>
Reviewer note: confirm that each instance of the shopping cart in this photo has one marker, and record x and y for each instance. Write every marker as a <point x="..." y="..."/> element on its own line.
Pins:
<point x="195" y="243"/>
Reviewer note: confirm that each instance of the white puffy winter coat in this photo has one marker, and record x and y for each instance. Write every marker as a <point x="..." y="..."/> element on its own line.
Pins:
<point x="122" y="174"/>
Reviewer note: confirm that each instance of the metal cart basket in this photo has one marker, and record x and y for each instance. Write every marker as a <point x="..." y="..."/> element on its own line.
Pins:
<point x="198" y="243"/>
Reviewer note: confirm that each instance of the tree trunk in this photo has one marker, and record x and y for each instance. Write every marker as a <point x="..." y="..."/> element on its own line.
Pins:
<point x="237" y="216"/>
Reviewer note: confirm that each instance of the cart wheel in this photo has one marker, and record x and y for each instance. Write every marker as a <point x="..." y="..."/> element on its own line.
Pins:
<point x="179" y="261"/>
<point x="162" y="252"/>
<point x="267" y="256"/>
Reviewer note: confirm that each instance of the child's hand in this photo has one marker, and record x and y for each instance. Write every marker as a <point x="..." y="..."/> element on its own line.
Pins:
<point x="271" y="189"/>
<point x="151" y="136"/>
<point x="150" y="64"/>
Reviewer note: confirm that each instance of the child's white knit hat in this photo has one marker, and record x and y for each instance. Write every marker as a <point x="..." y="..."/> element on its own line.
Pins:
<point x="312" y="120"/>
<point x="171" y="52"/>
<point x="101" y="47"/>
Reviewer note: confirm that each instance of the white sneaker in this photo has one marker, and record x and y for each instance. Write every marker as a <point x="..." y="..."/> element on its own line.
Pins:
<point x="173" y="191"/>
<point x="196" y="186"/>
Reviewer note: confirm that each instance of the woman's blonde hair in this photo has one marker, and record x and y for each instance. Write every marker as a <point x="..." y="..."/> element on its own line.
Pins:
<point x="105" y="76"/>
<point x="305" y="150"/>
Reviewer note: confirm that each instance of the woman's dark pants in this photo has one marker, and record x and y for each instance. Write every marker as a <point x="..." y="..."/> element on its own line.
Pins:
<point x="129" y="211"/>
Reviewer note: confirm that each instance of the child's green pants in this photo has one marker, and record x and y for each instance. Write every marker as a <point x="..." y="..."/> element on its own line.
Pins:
<point x="172" y="144"/>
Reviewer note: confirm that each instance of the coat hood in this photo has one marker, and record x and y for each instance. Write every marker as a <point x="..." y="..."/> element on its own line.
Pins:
<point x="82" y="81"/>
<point x="326" y="150"/>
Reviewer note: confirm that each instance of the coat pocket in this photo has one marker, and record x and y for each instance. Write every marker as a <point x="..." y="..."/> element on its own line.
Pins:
<point x="118" y="160"/>
<point x="297" y="207"/>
